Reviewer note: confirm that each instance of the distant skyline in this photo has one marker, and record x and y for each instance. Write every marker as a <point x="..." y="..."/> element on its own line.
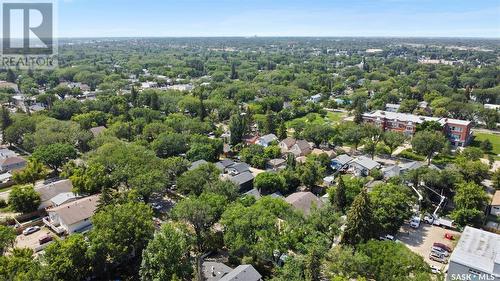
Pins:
<point x="205" y="18"/>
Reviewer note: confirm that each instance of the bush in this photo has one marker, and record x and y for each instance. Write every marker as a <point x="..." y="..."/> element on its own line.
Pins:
<point x="24" y="199"/>
<point x="3" y="204"/>
<point x="376" y="174"/>
<point x="409" y="154"/>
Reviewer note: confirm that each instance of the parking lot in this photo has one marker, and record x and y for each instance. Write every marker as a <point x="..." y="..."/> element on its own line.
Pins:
<point x="420" y="240"/>
<point x="31" y="240"/>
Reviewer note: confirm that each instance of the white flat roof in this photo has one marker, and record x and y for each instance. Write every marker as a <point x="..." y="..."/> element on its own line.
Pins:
<point x="413" y="118"/>
<point x="477" y="249"/>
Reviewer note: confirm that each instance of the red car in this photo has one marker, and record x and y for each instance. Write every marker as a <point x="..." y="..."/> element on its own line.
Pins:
<point x="443" y="246"/>
<point x="45" y="239"/>
<point x="449" y="236"/>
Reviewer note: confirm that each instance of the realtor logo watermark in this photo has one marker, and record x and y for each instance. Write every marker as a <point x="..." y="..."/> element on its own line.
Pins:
<point x="28" y="40"/>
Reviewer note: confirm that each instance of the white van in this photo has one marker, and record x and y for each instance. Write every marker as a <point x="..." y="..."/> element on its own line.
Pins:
<point x="415" y="222"/>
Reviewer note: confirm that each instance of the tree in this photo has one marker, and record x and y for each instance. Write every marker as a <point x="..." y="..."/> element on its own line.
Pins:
<point x="55" y="155"/>
<point x="353" y="134"/>
<point x="237" y="127"/>
<point x="475" y="171"/>
<point x="472" y="153"/>
<point x="169" y="144"/>
<point x="392" y="206"/>
<point x="7" y="238"/>
<point x="470" y="201"/>
<point x="486" y="146"/>
<point x="5" y="120"/>
<point x="67" y="259"/>
<point x="24" y="199"/>
<point x="90" y="179"/>
<point x="393" y="140"/>
<point x="339" y="199"/>
<point x="167" y="255"/>
<point x="427" y="143"/>
<point x="193" y="181"/>
<point x="119" y="233"/>
<point x="495" y="178"/>
<point x="317" y="133"/>
<point x="311" y="173"/>
<point x="201" y="213"/>
<point x="359" y="224"/>
<point x="202" y="151"/>
<point x="268" y="183"/>
<point x="148" y="183"/>
<point x="234" y="73"/>
<point x="33" y="171"/>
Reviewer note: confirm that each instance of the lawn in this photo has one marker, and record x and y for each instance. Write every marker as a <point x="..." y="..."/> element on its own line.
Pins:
<point x="493" y="138"/>
<point x="315" y="118"/>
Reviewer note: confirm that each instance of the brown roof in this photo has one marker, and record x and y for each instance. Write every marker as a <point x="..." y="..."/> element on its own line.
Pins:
<point x="289" y="142"/>
<point x="12" y="160"/>
<point x="76" y="211"/>
<point x="304" y="201"/>
<point x="49" y="191"/>
<point x="97" y="130"/>
<point x="496" y="199"/>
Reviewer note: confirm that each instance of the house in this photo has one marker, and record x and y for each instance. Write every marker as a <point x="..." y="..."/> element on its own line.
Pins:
<point x="253" y="192"/>
<point x="63" y="198"/>
<point x="459" y="132"/>
<point x="250" y="139"/>
<point x="6" y="179"/>
<point x="223" y="164"/>
<point x="476" y="256"/>
<point x="276" y="164"/>
<point x="97" y="130"/>
<point x="340" y="162"/>
<point x="197" y="164"/>
<point x="304" y="201"/>
<point x="286" y="144"/>
<point x="300" y="148"/>
<point x="243" y="180"/>
<point x="12" y="163"/>
<point x="391" y="107"/>
<point x="237" y="168"/>
<point x="315" y="99"/>
<point x="391" y="171"/>
<point x="362" y="166"/>
<point x="330" y="153"/>
<point x="495" y="204"/>
<point x="266" y="140"/>
<point x="7" y="153"/>
<point x="73" y="216"/>
<point x="216" y="271"/>
<point x="328" y="181"/>
<point x="47" y="191"/>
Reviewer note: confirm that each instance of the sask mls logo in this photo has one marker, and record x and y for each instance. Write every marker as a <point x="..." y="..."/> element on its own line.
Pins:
<point x="28" y="34"/>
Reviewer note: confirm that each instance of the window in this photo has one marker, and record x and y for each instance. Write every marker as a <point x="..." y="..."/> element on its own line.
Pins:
<point x="456" y="129"/>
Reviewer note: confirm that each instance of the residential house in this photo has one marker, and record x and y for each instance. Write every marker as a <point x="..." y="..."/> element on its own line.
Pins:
<point x="248" y="140"/>
<point x="216" y="271"/>
<point x="330" y="153"/>
<point x="328" y="181"/>
<point x="63" y="198"/>
<point x="476" y="256"/>
<point x="223" y="164"/>
<point x="266" y="140"/>
<point x="402" y="168"/>
<point x="12" y="163"/>
<point x="315" y="99"/>
<point x="238" y="168"/>
<point x="362" y="166"/>
<point x="459" y="132"/>
<point x="286" y="144"/>
<point x="304" y="201"/>
<point x="73" y="216"/>
<point x="244" y="181"/>
<point x="495" y="204"/>
<point x="49" y="190"/>
<point x="301" y="148"/>
<point x="341" y="162"/>
<point x="97" y="130"/>
<point x="9" y="85"/>
<point x="253" y="192"/>
<point x="276" y="164"/>
<point x="7" y="153"/>
<point x="197" y="164"/>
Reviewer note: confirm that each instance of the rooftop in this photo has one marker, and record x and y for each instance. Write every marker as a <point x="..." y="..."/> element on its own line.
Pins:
<point x="366" y="162"/>
<point x="304" y="201"/>
<point x="50" y="190"/>
<point x="477" y="249"/>
<point x="77" y="210"/>
<point x="496" y="199"/>
<point x="417" y="119"/>
<point x="242" y="273"/>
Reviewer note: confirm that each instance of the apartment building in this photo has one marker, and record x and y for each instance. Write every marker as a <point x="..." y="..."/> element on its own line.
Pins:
<point x="459" y="132"/>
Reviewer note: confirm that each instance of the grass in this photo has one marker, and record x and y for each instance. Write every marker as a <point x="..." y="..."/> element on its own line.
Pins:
<point x="493" y="138"/>
<point x="315" y="118"/>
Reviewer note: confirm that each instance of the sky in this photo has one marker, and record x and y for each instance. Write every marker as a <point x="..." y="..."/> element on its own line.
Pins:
<point x="179" y="18"/>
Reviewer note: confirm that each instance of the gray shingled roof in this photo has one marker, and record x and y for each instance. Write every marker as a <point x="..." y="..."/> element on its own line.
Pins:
<point x="242" y="178"/>
<point x="243" y="273"/>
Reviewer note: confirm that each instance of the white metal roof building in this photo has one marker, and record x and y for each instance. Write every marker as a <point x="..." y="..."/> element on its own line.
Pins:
<point x="477" y="255"/>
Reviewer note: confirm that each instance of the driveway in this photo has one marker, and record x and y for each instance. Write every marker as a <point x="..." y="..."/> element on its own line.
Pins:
<point x="420" y="240"/>
<point x="31" y="240"/>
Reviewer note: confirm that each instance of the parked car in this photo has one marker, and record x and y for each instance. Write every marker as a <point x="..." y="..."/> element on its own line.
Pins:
<point x="428" y="219"/>
<point x="443" y="246"/>
<point x="440" y="251"/>
<point x="436" y="257"/>
<point x="31" y="229"/>
<point x="435" y="269"/>
<point x="45" y="239"/>
<point x="415" y="222"/>
<point x="387" y="238"/>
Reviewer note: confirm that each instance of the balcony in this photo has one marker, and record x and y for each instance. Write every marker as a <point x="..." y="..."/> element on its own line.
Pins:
<point x="55" y="226"/>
